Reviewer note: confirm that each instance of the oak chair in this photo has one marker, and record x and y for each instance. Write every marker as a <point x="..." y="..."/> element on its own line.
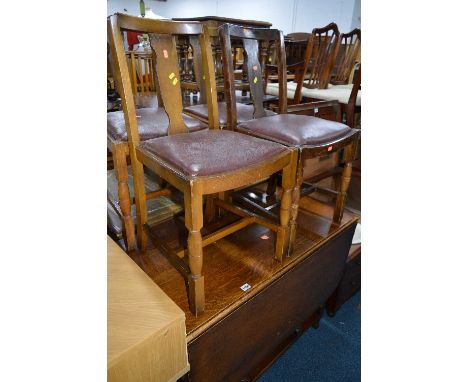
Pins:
<point x="208" y="162"/>
<point x="152" y="121"/>
<point x="308" y="136"/>
<point x="200" y="111"/>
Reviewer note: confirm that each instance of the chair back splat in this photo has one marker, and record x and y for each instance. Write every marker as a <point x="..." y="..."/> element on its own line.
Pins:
<point x="348" y="51"/>
<point x="251" y="40"/>
<point x="318" y="59"/>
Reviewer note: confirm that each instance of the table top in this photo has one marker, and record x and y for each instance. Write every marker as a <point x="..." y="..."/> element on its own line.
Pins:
<point x="223" y="20"/>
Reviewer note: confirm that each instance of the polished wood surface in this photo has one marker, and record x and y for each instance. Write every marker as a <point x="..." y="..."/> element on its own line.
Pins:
<point x="145" y="329"/>
<point x="247" y="341"/>
<point x="217" y="21"/>
<point x="243" y="257"/>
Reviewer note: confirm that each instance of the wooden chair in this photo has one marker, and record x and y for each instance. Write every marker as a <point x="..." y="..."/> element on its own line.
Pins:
<point x="333" y="86"/>
<point x="201" y="163"/>
<point x="318" y="59"/>
<point x="348" y="52"/>
<point x="153" y="122"/>
<point x="200" y="111"/>
<point x="314" y="71"/>
<point x="308" y="136"/>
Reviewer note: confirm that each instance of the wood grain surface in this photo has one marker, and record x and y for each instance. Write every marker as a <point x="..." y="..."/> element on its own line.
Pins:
<point x="145" y="329"/>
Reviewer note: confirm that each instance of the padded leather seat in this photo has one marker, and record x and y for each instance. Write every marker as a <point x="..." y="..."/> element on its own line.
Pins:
<point x="296" y="130"/>
<point x="244" y="112"/>
<point x="152" y="123"/>
<point x="209" y="152"/>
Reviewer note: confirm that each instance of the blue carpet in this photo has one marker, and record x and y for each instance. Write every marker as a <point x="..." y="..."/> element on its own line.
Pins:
<point x="328" y="354"/>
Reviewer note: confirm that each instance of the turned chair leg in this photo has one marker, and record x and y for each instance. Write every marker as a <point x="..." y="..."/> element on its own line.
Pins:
<point x="194" y="223"/>
<point x="283" y="233"/>
<point x="344" y="184"/>
<point x="295" y="203"/>
<point x="121" y="173"/>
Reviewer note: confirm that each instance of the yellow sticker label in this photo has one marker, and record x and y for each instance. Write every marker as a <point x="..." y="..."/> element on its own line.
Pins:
<point x="174" y="81"/>
<point x="171" y="76"/>
<point x="255" y="79"/>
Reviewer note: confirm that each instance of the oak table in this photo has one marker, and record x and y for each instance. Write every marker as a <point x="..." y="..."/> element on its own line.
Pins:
<point x="146" y="338"/>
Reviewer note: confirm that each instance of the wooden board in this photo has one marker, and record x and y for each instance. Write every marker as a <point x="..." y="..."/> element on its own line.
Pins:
<point x="145" y="328"/>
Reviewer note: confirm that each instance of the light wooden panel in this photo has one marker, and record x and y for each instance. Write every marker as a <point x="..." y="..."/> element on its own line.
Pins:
<point x="146" y="338"/>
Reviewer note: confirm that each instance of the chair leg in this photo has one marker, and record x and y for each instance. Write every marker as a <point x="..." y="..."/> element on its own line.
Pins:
<point x="344" y="184"/>
<point x="121" y="173"/>
<point x="272" y="182"/>
<point x="283" y="234"/>
<point x="140" y="203"/>
<point x="210" y="210"/>
<point x="194" y="223"/>
<point x="295" y="203"/>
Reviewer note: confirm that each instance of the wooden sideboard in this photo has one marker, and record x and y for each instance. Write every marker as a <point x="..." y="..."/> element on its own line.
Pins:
<point x="146" y="338"/>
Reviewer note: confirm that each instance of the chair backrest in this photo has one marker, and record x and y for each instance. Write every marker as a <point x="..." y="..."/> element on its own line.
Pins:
<point x="296" y="44"/>
<point x="162" y="36"/>
<point x="252" y="40"/>
<point x="142" y="73"/>
<point x="318" y="59"/>
<point x="348" y="51"/>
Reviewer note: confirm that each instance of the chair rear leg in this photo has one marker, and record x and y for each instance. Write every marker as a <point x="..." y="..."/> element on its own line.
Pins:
<point x="283" y="233"/>
<point x="194" y="223"/>
<point x="121" y="173"/>
<point x="344" y="184"/>
<point x="271" y="188"/>
<point x="140" y="203"/>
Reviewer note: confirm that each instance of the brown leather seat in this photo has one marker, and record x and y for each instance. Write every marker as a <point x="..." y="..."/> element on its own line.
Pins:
<point x="297" y="130"/>
<point x="244" y="112"/>
<point x="209" y="152"/>
<point x="152" y="123"/>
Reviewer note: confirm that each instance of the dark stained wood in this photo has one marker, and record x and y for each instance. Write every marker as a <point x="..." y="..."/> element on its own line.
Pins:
<point x="319" y="58"/>
<point x="349" y="284"/>
<point x="216" y="20"/>
<point x="348" y="52"/>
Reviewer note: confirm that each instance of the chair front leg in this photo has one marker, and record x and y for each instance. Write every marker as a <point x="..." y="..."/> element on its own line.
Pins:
<point x="295" y="202"/>
<point x="194" y="222"/>
<point x="121" y="173"/>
